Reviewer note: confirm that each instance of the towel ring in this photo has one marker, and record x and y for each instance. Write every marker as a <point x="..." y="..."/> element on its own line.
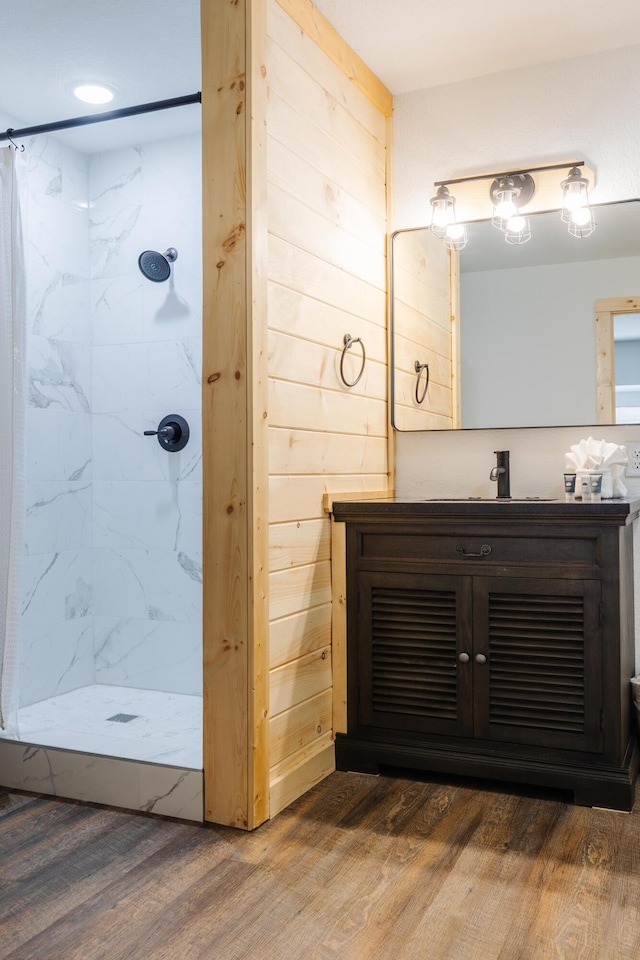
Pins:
<point x="348" y="341"/>
<point x="419" y="367"/>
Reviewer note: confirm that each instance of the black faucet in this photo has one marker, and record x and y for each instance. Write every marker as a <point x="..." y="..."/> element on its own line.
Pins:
<point x="501" y="473"/>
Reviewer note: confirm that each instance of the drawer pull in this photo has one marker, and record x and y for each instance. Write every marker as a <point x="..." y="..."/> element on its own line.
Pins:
<point x="480" y="658"/>
<point x="485" y="550"/>
<point x="463" y="657"/>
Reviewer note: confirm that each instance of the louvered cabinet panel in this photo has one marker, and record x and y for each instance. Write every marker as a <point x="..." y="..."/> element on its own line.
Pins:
<point x="541" y="682"/>
<point x="411" y="630"/>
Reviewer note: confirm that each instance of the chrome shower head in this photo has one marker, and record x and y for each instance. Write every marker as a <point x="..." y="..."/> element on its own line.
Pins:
<point x="157" y="266"/>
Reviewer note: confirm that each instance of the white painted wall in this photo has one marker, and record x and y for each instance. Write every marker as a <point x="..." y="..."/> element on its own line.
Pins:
<point x="584" y="107"/>
<point x="528" y="340"/>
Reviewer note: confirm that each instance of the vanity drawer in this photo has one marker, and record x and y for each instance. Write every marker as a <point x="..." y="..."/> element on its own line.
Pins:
<point x="474" y="548"/>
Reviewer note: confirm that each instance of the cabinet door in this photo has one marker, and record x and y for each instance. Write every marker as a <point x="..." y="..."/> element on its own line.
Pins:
<point x="537" y="662"/>
<point x="413" y="653"/>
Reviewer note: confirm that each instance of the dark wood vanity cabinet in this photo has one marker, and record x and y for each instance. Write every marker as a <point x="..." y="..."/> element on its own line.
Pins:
<point x="493" y="640"/>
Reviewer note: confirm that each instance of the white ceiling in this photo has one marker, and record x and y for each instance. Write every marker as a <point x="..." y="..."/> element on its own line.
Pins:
<point x="149" y="50"/>
<point x="413" y="44"/>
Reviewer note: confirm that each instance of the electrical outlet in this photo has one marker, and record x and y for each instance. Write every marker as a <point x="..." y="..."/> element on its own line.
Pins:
<point x="633" y="452"/>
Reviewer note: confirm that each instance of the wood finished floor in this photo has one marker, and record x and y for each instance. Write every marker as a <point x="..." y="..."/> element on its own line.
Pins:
<point x="359" y="868"/>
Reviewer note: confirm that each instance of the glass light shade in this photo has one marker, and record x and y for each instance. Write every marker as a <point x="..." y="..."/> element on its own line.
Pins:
<point x="455" y="237"/>
<point x="575" y="196"/>
<point x="505" y="202"/>
<point x="518" y="229"/>
<point x="442" y="212"/>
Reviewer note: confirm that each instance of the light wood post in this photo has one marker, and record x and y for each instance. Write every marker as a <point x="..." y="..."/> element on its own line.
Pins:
<point x="454" y="299"/>
<point x="606" y="311"/>
<point x="235" y="612"/>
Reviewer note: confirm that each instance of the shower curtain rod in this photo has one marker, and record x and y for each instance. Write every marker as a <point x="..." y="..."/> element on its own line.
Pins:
<point x="11" y="134"/>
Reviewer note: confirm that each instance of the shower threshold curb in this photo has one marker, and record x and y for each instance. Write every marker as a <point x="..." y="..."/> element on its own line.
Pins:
<point x="134" y="784"/>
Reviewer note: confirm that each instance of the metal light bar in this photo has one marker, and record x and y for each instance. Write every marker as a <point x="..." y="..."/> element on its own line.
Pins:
<point x="474" y="201"/>
<point x="510" y="173"/>
<point x="12" y="134"/>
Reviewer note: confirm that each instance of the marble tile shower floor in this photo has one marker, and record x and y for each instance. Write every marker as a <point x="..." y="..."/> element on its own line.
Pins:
<point x="167" y="727"/>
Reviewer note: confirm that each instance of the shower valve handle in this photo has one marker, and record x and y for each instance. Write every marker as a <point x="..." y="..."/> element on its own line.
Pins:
<point x="172" y="433"/>
<point x="167" y="433"/>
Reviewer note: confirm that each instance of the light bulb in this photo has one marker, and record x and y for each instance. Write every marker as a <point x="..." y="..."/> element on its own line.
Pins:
<point x="574" y="199"/>
<point x="517" y="229"/>
<point x="442" y="212"/>
<point x="505" y="193"/>
<point x="516" y="223"/>
<point x="575" y="196"/>
<point x="584" y="225"/>
<point x="441" y="217"/>
<point x="506" y="209"/>
<point x="580" y="216"/>
<point x="455" y="237"/>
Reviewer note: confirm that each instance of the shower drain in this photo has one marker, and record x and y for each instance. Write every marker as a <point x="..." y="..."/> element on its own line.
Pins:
<point x="123" y="717"/>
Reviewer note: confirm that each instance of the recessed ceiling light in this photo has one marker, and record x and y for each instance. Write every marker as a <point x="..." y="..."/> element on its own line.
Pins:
<point x="92" y="93"/>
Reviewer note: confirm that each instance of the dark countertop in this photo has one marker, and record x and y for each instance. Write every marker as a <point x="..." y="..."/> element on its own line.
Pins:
<point x="619" y="511"/>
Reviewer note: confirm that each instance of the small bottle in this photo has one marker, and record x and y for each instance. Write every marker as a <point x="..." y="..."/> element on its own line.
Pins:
<point x="569" y="487"/>
<point x="595" y="483"/>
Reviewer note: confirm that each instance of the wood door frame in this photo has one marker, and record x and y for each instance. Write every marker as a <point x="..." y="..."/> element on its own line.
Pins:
<point x="606" y="310"/>
<point x="454" y="305"/>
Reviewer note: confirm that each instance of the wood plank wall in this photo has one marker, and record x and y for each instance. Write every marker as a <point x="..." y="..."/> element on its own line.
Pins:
<point x="423" y="331"/>
<point x="327" y="212"/>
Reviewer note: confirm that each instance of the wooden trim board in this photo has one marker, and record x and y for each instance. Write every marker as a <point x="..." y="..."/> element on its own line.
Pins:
<point x="316" y="26"/>
<point x="454" y="299"/>
<point x="235" y="599"/>
<point x="606" y="309"/>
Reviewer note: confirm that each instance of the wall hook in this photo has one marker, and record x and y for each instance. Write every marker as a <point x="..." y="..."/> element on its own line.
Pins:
<point x="421" y="368"/>
<point x="348" y="343"/>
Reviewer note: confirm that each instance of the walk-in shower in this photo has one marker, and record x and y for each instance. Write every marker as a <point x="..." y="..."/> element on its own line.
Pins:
<point x="109" y="648"/>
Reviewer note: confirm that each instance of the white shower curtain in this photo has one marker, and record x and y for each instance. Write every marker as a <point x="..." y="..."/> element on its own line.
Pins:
<point x="12" y="417"/>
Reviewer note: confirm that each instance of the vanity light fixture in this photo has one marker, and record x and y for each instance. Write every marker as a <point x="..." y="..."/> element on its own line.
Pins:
<point x="575" y="205"/>
<point x="443" y="212"/>
<point x="443" y="220"/>
<point x="512" y="195"/>
<point x="509" y="193"/>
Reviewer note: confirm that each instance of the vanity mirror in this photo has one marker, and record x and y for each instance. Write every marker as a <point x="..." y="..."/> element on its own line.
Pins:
<point x="502" y="335"/>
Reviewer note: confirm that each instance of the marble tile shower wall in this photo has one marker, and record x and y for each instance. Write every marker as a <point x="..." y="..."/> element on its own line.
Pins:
<point x="113" y="576"/>
<point x="147" y="348"/>
<point x="56" y="644"/>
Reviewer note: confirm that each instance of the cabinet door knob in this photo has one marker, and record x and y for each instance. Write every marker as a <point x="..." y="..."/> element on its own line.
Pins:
<point x="463" y="657"/>
<point x="480" y="658"/>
